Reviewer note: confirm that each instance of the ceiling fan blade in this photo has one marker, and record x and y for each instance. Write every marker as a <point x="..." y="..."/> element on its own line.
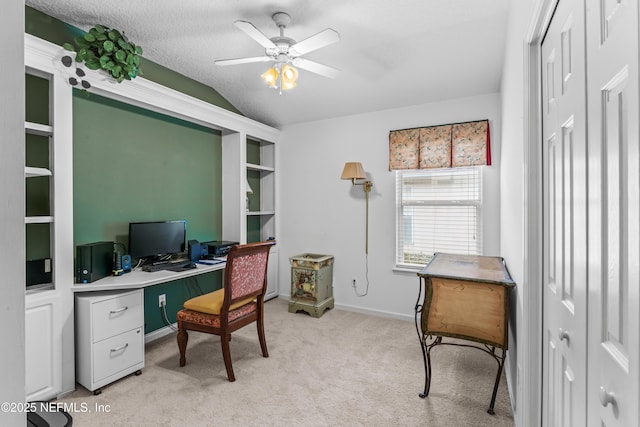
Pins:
<point x="316" y="67"/>
<point x="322" y="39"/>
<point x="242" y="60"/>
<point x="255" y="34"/>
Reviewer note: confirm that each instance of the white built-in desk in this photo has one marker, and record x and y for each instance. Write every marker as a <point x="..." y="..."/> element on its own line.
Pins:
<point x="141" y="279"/>
<point x="109" y="321"/>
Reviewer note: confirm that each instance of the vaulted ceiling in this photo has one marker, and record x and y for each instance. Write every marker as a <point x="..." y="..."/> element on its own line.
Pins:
<point x="391" y="53"/>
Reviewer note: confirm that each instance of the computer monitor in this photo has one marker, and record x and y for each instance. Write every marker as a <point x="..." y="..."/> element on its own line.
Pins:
<point x="157" y="239"/>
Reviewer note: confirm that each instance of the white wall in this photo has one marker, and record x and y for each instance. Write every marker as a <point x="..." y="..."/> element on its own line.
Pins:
<point x="525" y="397"/>
<point x="12" y="387"/>
<point x="320" y="213"/>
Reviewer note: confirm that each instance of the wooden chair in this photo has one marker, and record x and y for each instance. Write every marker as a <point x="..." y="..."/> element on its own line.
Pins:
<point x="239" y="302"/>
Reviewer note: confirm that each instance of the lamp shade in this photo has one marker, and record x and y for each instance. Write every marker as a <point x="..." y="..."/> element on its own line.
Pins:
<point x="270" y="76"/>
<point x="353" y="170"/>
<point x="289" y="75"/>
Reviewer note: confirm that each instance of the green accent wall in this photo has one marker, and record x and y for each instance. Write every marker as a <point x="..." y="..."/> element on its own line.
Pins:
<point x="131" y="164"/>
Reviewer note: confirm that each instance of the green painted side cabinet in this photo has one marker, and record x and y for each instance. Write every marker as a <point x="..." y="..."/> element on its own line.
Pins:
<point x="311" y="284"/>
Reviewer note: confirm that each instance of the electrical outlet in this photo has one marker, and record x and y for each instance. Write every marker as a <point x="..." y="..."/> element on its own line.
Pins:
<point x="162" y="300"/>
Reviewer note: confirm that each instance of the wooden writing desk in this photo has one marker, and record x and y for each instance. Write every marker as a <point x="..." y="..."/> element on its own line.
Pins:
<point x="465" y="297"/>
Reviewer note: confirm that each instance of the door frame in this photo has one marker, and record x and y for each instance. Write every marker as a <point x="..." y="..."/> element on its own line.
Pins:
<point x="532" y="316"/>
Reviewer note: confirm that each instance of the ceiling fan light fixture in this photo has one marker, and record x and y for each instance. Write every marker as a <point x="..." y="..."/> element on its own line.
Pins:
<point x="270" y="77"/>
<point x="289" y="75"/>
<point x="288" y="85"/>
<point x="284" y="52"/>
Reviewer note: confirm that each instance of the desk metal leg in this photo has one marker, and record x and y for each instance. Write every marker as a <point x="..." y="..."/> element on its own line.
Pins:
<point x="424" y="346"/>
<point x="495" y="387"/>
<point x="426" y="359"/>
<point x="426" y="356"/>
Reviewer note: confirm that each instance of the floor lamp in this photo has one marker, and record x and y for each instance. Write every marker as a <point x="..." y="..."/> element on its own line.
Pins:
<point x="354" y="171"/>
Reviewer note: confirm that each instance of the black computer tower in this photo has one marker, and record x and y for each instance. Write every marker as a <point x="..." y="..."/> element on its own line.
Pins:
<point x="93" y="261"/>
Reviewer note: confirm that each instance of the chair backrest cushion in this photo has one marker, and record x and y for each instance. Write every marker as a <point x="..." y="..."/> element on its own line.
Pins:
<point x="248" y="273"/>
<point x="212" y="303"/>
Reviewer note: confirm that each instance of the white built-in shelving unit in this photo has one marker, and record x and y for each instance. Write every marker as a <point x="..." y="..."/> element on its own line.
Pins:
<point x="49" y="310"/>
<point x="48" y="221"/>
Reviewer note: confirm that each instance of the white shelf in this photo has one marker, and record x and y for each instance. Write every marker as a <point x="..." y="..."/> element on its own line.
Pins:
<point x="30" y="172"/>
<point x="254" y="167"/>
<point x="39" y="289"/>
<point x="38" y="220"/>
<point x="260" y="213"/>
<point x="38" y="129"/>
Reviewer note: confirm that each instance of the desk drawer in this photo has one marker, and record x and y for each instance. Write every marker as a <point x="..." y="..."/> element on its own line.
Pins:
<point x="116" y="315"/>
<point x="116" y="354"/>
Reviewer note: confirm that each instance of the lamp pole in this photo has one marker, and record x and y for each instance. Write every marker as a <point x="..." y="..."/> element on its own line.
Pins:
<point x="366" y="186"/>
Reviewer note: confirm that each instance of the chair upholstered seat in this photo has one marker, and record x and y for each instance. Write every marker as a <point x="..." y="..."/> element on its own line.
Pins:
<point x="239" y="302"/>
<point x="212" y="303"/>
<point x="207" y="319"/>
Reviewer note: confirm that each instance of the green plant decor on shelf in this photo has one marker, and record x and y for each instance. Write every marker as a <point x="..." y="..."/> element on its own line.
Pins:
<point x="110" y="50"/>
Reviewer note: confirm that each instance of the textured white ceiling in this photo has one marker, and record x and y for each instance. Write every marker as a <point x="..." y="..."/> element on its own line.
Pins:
<point x="391" y="53"/>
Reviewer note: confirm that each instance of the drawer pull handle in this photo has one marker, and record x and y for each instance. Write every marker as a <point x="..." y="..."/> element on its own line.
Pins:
<point x="122" y="347"/>
<point x="120" y="310"/>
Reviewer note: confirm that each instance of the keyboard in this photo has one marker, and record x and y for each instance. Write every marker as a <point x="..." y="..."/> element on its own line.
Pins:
<point x="171" y="266"/>
<point x="180" y="266"/>
<point x="211" y="261"/>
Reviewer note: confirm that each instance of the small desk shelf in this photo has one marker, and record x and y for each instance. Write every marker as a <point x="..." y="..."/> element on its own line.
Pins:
<point x="141" y="279"/>
<point x="464" y="297"/>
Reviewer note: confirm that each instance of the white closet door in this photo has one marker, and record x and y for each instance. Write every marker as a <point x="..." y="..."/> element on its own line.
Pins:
<point x="565" y="217"/>
<point x="613" y="370"/>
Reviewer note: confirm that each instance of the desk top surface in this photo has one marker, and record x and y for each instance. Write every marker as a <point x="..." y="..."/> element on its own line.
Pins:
<point x="468" y="267"/>
<point x="141" y="279"/>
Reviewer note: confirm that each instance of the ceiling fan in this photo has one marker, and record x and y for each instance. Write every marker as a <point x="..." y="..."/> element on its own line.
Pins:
<point x="286" y="53"/>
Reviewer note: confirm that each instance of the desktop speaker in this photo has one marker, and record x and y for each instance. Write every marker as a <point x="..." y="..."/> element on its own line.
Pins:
<point x="121" y="264"/>
<point x="126" y="263"/>
<point x="93" y="261"/>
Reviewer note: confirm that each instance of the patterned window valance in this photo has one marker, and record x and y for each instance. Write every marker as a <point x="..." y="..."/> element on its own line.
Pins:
<point x="445" y="146"/>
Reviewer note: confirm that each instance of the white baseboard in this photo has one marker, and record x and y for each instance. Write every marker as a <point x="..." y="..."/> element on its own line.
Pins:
<point x="379" y="313"/>
<point x="159" y="333"/>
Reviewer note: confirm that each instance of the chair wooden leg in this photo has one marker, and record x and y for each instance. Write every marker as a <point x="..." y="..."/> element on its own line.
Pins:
<point x="182" y="337"/>
<point x="263" y="341"/>
<point x="226" y="354"/>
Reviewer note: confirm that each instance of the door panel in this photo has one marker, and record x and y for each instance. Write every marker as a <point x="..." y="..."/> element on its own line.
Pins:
<point x="564" y="217"/>
<point x="614" y="239"/>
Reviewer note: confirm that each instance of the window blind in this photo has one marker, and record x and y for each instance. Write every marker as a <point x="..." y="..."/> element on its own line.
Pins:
<point x="437" y="210"/>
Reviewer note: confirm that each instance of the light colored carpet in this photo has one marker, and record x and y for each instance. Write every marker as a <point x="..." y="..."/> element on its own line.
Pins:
<point x="343" y="369"/>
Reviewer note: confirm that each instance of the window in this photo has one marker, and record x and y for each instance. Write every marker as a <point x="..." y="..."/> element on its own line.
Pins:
<point x="437" y="210"/>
